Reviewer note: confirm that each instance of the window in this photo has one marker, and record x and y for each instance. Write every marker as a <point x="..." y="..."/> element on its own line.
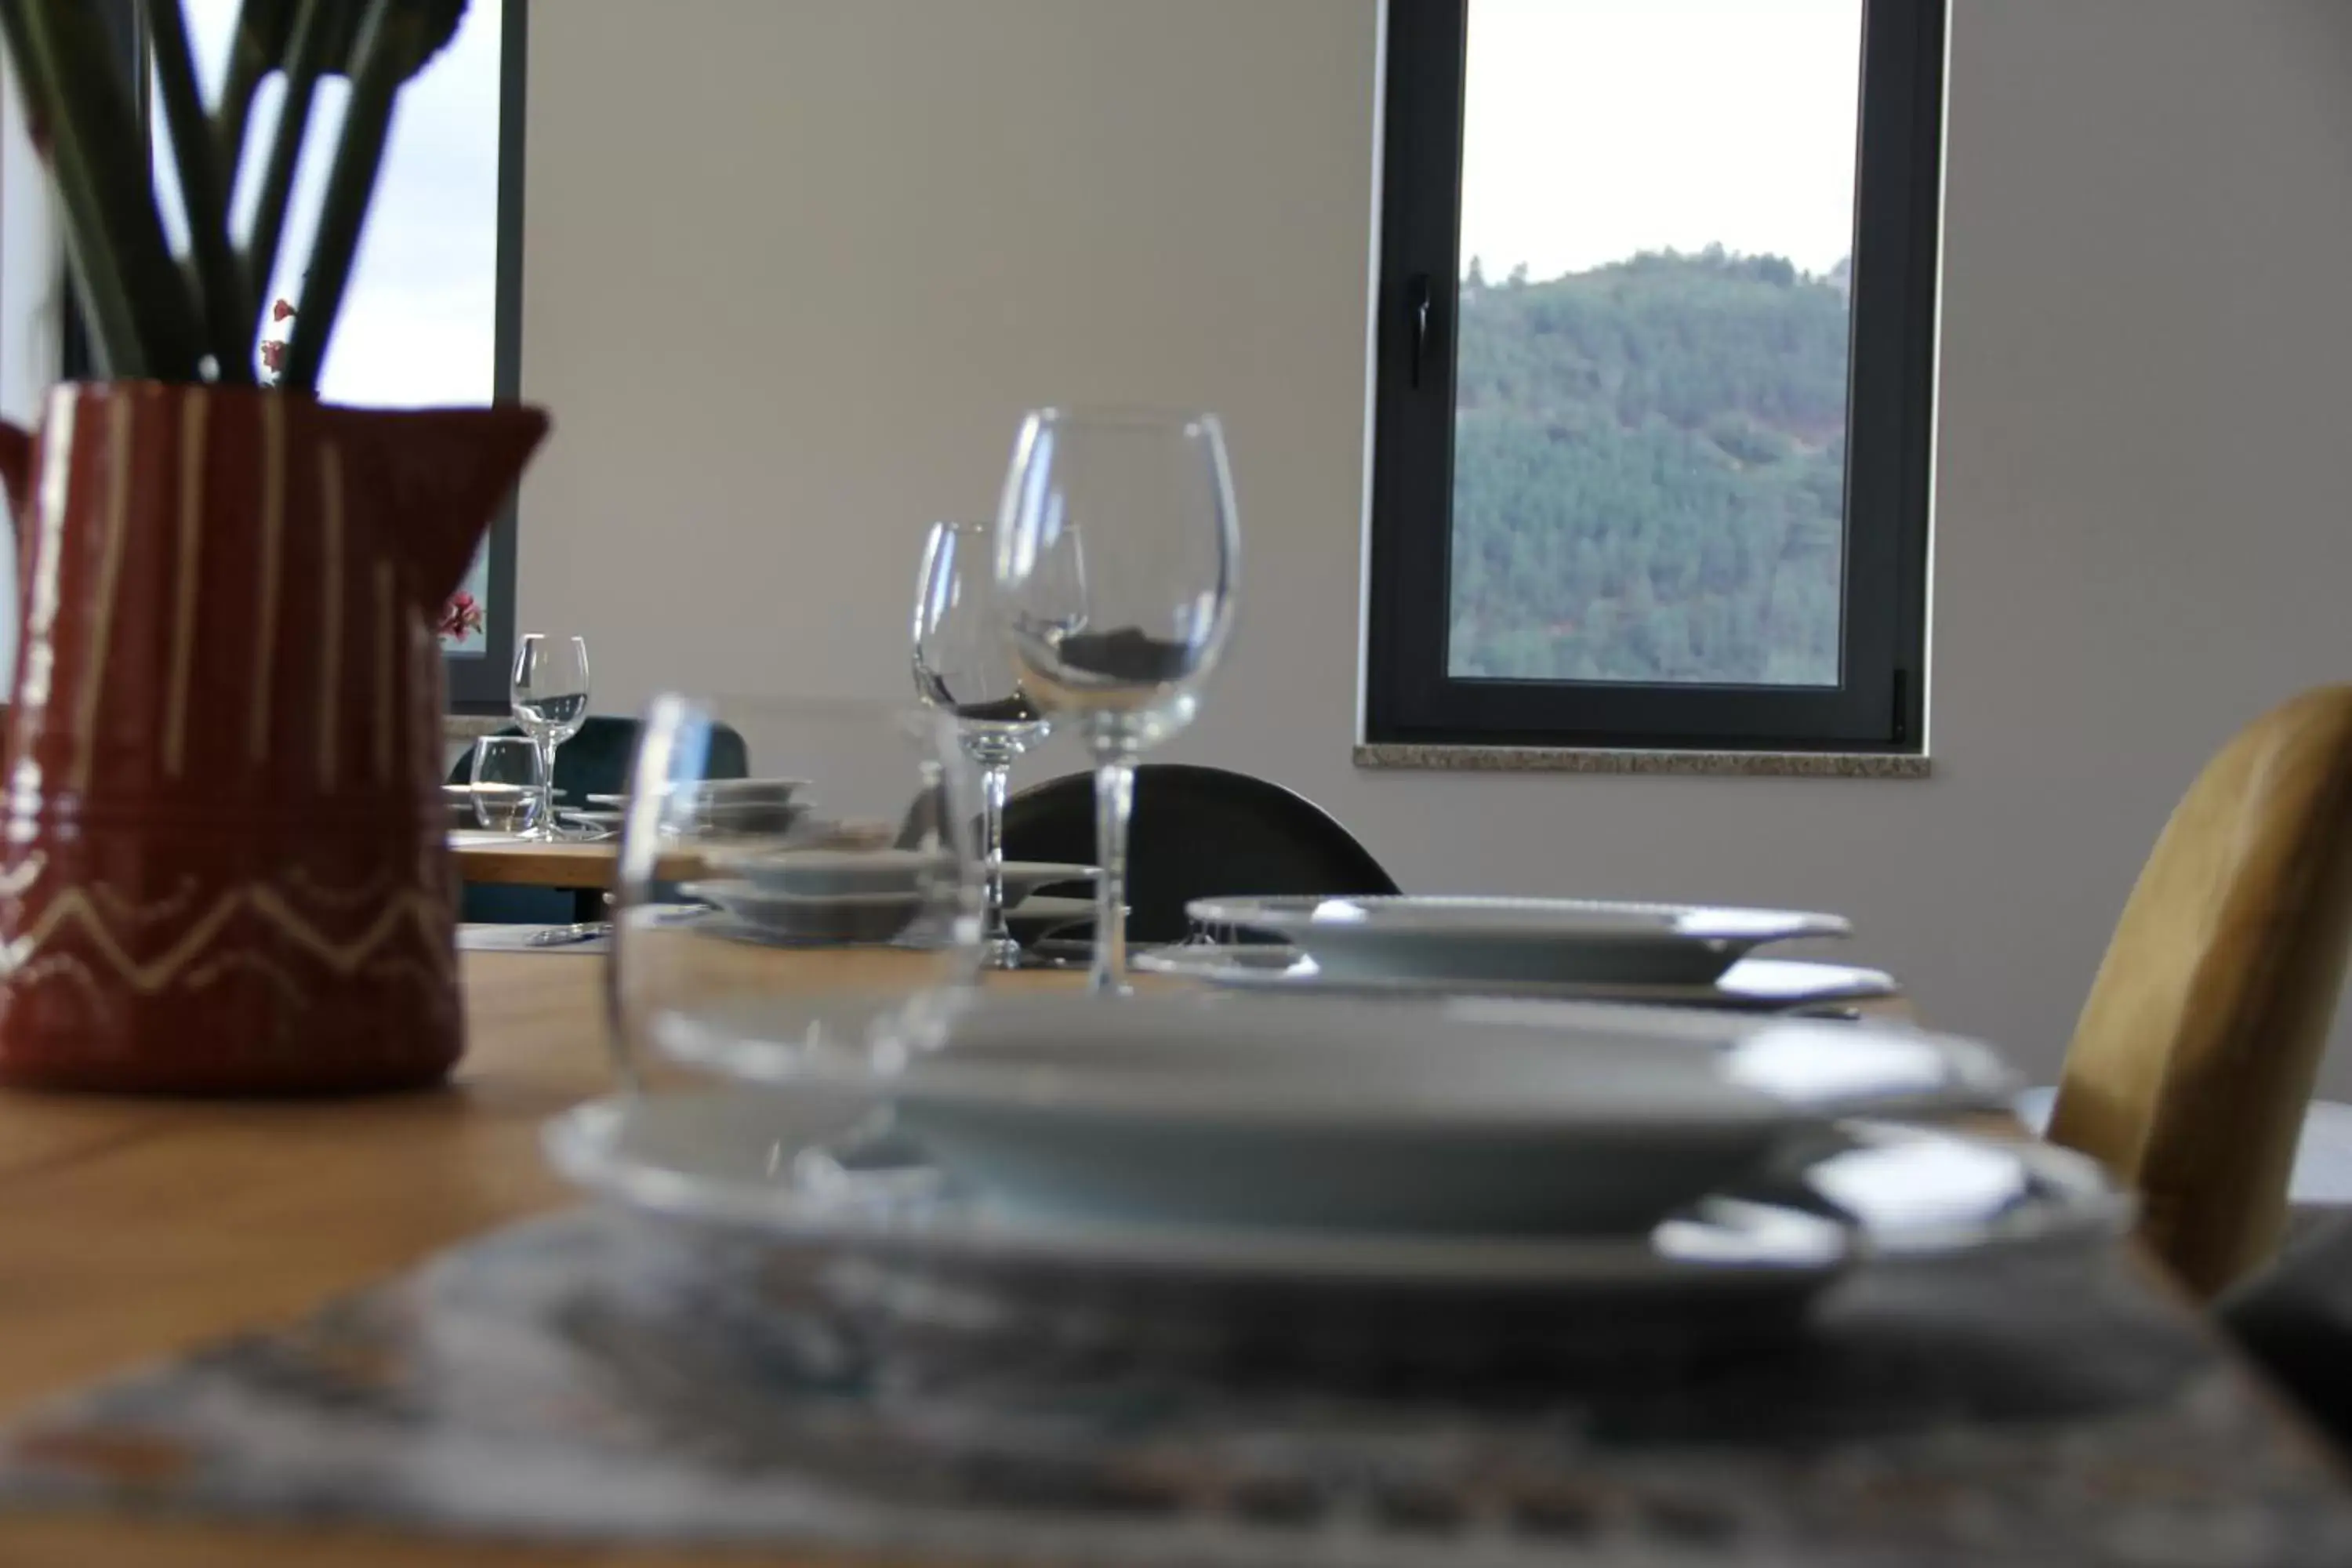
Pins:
<point x="432" y="316"/>
<point x="1654" y="373"/>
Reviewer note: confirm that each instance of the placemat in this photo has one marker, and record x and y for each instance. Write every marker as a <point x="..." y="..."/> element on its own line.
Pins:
<point x="596" y="1375"/>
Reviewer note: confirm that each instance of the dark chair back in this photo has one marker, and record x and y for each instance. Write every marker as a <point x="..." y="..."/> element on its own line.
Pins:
<point x="596" y="760"/>
<point x="2195" y="1058"/>
<point x="2295" y="1318"/>
<point x="1198" y="832"/>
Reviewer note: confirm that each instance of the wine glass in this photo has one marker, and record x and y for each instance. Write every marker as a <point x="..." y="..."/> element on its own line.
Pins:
<point x="510" y="779"/>
<point x="793" y="875"/>
<point x="550" y="693"/>
<point x="1152" y="493"/>
<point x="963" y="667"/>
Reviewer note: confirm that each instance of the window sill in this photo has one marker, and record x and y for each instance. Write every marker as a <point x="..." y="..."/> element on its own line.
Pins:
<point x="1596" y="759"/>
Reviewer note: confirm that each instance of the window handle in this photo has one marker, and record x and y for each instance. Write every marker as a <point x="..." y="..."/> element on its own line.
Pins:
<point x="1417" y="306"/>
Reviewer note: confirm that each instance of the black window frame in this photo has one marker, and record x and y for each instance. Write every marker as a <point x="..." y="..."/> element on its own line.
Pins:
<point x="1410" y="696"/>
<point x="477" y="683"/>
<point x="483" y="683"/>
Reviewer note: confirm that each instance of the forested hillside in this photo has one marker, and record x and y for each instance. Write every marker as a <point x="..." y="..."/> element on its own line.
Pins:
<point x="1649" y="465"/>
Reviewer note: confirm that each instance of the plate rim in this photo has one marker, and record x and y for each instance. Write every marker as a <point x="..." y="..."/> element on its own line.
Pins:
<point x="1871" y="984"/>
<point x="735" y="887"/>
<point x="1047" y="873"/>
<point x="1295" y="913"/>
<point x="1975" y="1077"/>
<point x="583" y="1146"/>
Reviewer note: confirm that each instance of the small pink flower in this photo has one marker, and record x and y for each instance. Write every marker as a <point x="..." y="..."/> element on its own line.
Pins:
<point x="280" y="310"/>
<point x="273" y="356"/>
<point x="462" y="616"/>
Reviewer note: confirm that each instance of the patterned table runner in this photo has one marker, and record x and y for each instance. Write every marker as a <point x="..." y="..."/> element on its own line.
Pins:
<point x="593" y="1375"/>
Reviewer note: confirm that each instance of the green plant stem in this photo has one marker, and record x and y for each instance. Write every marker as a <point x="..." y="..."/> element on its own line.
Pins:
<point x="218" y="278"/>
<point x="247" y="64"/>
<point x="139" y="312"/>
<point x="98" y="136"/>
<point x="383" y="59"/>
<point x="309" y="53"/>
<point x="114" y="336"/>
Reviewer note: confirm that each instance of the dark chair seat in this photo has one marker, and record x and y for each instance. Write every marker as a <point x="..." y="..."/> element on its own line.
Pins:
<point x="1198" y="832"/>
<point x="2295" y="1318"/>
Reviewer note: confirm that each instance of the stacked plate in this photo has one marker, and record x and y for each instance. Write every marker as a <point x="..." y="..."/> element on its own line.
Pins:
<point x="814" y="889"/>
<point x="497" y="802"/>
<point x="599" y="818"/>
<point x="1677" y="954"/>
<point x="722" y="808"/>
<point x="1219" y="1171"/>
<point x="747" y="808"/>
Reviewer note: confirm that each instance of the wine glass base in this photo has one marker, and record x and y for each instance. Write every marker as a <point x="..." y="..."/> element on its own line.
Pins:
<point x="1000" y="953"/>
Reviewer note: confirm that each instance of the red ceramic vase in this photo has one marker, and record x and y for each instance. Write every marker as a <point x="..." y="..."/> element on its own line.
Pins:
<point x="224" y="868"/>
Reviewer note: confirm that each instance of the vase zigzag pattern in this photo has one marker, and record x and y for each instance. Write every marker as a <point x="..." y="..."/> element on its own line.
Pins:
<point x="223" y="868"/>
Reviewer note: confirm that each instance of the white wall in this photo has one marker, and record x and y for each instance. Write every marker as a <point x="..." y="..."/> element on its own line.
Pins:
<point x="794" y="267"/>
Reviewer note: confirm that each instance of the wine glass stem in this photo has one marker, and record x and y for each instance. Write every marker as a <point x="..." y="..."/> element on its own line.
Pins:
<point x="991" y="843"/>
<point x="546" y="786"/>
<point x="1114" y="804"/>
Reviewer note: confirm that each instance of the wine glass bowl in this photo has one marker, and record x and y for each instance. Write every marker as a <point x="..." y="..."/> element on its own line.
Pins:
<point x="964" y="669"/>
<point x="549" y="694"/>
<point x="824" y="902"/>
<point x="962" y="666"/>
<point x="1151" y="494"/>
<point x="507" y="783"/>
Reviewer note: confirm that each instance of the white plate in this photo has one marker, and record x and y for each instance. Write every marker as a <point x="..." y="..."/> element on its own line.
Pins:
<point x="740" y="808"/>
<point x="1752" y="984"/>
<point x="736" y="791"/>
<point x="1040" y="915"/>
<point x="1023" y="878"/>
<point x="797" y="921"/>
<point x="819" y="872"/>
<point x="775" y="1166"/>
<point x="810" y="917"/>
<point x="1517" y="939"/>
<point x="743" y="820"/>
<point x="462" y="798"/>
<point x="1445" y="1115"/>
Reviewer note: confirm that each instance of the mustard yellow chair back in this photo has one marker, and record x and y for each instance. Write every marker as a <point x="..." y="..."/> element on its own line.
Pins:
<point x="2199" y="1044"/>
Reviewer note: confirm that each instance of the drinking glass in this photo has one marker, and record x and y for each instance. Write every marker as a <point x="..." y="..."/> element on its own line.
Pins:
<point x="510" y="779"/>
<point x="550" y="693"/>
<point x="1153" y="494"/>
<point x="964" y="667"/>
<point x="793" y="876"/>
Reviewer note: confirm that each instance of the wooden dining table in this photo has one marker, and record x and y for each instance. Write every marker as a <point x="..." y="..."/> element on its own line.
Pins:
<point x="135" y="1229"/>
<point x="580" y="865"/>
<point x="139" y="1228"/>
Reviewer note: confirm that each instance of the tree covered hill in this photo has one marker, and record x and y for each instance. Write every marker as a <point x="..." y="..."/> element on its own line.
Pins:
<point x="1648" y="476"/>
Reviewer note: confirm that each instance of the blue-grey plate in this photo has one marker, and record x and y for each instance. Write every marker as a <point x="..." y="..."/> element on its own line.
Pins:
<point x="1751" y="984"/>
<point x="1583" y="941"/>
